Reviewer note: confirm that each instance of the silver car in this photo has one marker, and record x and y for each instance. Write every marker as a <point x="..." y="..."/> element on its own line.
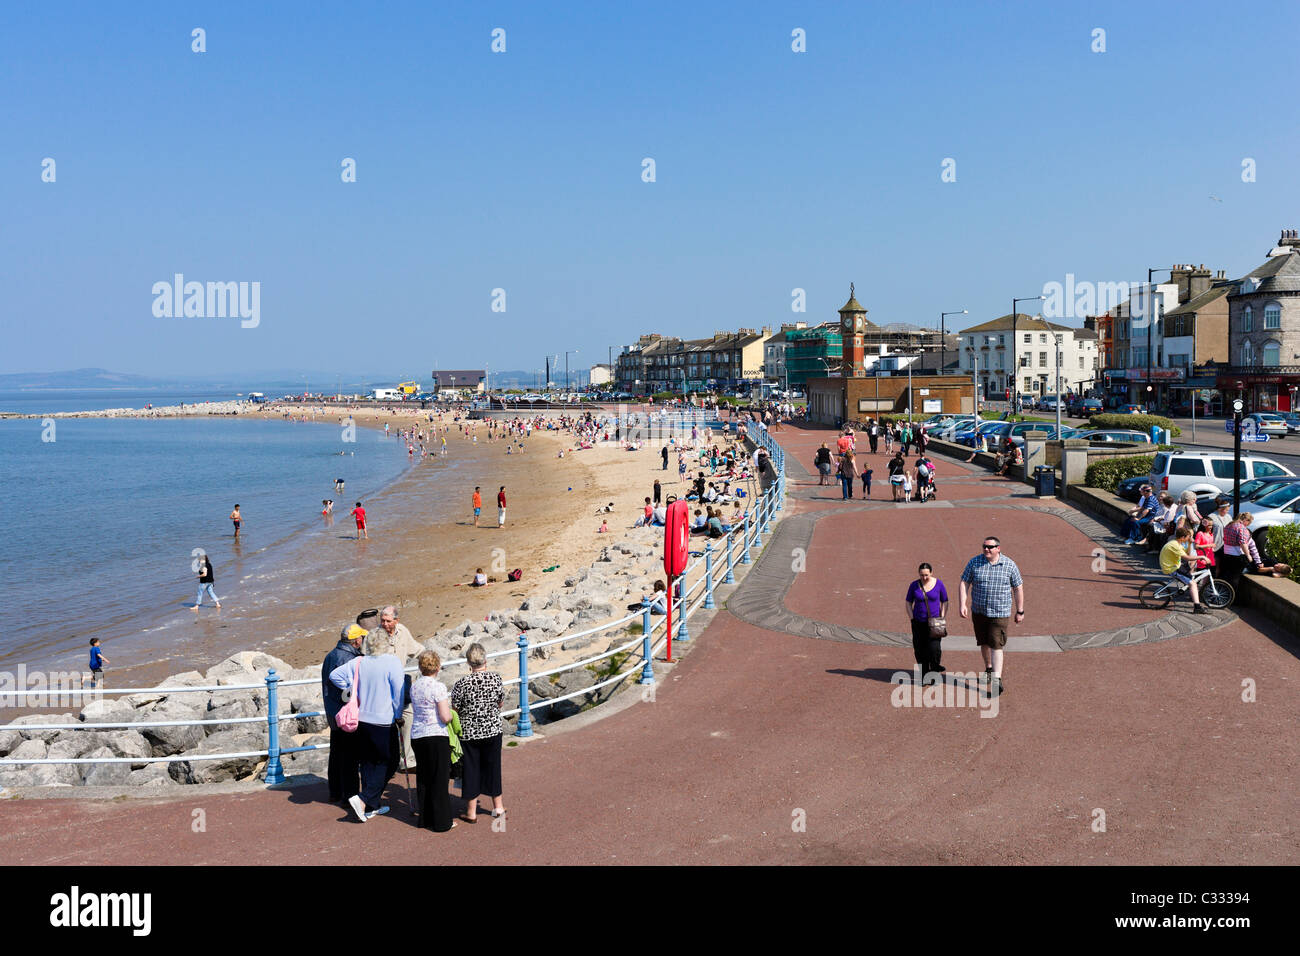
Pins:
<point x="1112" y="435"/>
<point x="1265" y="423"/>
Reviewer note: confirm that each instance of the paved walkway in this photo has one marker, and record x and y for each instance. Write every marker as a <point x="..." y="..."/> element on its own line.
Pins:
<point x="766" y="746"/>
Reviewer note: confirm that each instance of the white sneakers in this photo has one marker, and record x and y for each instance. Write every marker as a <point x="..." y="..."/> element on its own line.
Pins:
<point x="358" y="807"/>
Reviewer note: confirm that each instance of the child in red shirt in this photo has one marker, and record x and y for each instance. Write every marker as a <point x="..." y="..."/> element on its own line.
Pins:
<point x="1204" y="542"/>
<point x="360" y="514"/>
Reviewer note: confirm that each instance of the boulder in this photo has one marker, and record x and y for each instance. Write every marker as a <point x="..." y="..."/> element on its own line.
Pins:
<point x="167" y="741"/>
<point x="20" y="723"/>
<point x="108" y="711"/>
<point x="230" y="768"/>
<point x="105" y="774"/>
<point x="127" y="743"/>
<point x="580" y="643"/>
<point x="186" y="679"/>
<point x="9" y="739"/>
<point x="569" y="682"/>
<point x="239" y="707"/>
<point x="594" y="613"/>
<point x="305" y="704"/>
<point x="153" y="776"/>
<point x="53" y="775"/>
<point x="247" y="665"/>
<point x="75" y="743"/>
<point x="530" y="620"/>
<point x="30" y="749"/>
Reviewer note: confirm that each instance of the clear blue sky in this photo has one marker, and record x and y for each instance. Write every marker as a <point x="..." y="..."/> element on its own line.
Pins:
<point x="522" y="170"/>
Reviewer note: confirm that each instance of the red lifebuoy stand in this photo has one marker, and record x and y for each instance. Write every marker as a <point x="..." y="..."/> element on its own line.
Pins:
<point x="677" y="536"/>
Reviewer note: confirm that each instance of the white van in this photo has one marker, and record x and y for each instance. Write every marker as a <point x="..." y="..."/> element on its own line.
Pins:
<point x="1206" y="472"/>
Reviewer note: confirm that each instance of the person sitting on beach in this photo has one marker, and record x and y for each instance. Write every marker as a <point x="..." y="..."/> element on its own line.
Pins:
<point x="604" y="528"/>
<point x="698" y="522"/>
<point x="659" y="598"/>
<point x="480" y="578"/>
<point x="646" y="515"/>
<point x="659" y="516"/>
<point x="715" y="523"/>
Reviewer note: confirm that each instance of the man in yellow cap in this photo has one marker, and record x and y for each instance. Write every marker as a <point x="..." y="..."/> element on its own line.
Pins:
<point x="345" y="754"/>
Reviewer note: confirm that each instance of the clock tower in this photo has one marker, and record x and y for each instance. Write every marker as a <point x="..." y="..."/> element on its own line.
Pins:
<point x="852" y="320"/>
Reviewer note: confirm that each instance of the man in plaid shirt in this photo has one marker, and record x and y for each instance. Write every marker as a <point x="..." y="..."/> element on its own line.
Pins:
<point x="990" y="585"/>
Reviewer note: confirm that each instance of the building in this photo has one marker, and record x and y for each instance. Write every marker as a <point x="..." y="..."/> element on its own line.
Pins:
<point x="601" y="375"/>
<point x="473" y="379"/>
<point x="989" y="355"/>
<point x="660" y="363"/>
<point x="812" y="353"/>
<point x="774" y="353"/>
<point x="1264" y="331"/>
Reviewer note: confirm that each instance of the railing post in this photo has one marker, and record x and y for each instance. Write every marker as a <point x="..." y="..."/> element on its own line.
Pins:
<point x="708" y="576"/>
<point x="524" y="726"/>
<point x="731" y="540"/>
<point x="758" y="521"/>
<point x="647" y="672"/>
<point x="767" y="512"/>
<point x="744" y="539"/>
<point x="683" y="631"/>
<point x="274" y="770"/>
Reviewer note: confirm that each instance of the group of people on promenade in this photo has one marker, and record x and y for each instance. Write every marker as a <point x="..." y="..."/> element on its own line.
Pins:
<point x="906" y="483"/>
<point x="400" y="721"/>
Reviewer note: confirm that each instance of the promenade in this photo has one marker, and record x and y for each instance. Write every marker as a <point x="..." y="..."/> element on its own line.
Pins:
<point x="776" y="739"/>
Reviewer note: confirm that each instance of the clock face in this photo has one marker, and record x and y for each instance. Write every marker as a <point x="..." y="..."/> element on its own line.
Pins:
<point x="857" y="323"/>
<point x="847" y="322"/>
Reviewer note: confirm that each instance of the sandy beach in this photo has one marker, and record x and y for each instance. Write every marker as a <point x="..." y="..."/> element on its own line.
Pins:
<point x="422" y="564"/>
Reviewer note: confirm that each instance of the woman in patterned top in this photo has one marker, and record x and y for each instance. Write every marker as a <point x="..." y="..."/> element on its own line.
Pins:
<point x="477" y="700"/>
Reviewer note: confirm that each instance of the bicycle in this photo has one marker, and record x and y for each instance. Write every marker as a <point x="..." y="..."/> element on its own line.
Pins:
<point x="1215" y="593"/>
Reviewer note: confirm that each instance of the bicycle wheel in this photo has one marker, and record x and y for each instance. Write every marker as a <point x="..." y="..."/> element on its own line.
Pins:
<point x="1217" y="594"/>
<point x="1155" y="595"/>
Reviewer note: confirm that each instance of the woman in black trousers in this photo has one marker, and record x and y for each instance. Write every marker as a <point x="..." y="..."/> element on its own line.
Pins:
<point x="926" y="600"/>
<point x="477" y="699"/>
<point x="430" y="715"/>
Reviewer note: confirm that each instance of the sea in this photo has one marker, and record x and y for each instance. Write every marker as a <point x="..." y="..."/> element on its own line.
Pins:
<point x="105" y="521"/>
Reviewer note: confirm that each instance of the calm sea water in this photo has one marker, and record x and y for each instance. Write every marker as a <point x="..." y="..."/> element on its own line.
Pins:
<point x="43" y="401"/>
<point x="103" y="520"/>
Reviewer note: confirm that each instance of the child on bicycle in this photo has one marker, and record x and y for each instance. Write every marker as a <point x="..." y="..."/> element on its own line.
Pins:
<point x="1177" y="553"/>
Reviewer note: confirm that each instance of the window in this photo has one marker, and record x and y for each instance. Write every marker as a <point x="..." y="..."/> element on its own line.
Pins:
<point x="1080" y="361"/>
<point x="1042" y="337"/>
<point x="1247" y="354"/>
<point x="1223" y="468"/>
<point x="1247" y="319"/>
<point x="1002" y="340"/>
<point x="1187" y="466"/>
<point x="1000" y="356"/>
<point x="1042" y="360"/>
<point x="1029" y="385"/>
<point x="1265" y="469"/>
<point x="1272" y="320"/>
<point x="1025" y="361"/>
<point x="1272" y="351"/>
<point x="1029" y="339"/>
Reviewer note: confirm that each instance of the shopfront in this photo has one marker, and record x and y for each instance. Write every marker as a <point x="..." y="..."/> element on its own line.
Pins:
<point x="1264" y="392"/>
<point x="1153" y="387"/>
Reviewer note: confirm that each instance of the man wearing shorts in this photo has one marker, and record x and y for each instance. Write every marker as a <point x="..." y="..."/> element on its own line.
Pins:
<point x="478" y="505"/>
<point x="990" y="585"/>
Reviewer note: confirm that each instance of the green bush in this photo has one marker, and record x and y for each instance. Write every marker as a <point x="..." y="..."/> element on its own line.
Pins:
<point x="1108" y="473"/>
<point x="1283" y="544"/>
<point x="1137" y="423"/>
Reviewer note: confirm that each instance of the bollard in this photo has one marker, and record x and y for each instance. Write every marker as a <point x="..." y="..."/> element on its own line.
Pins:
<point x="647" y="672"/>
<point x="708" y="575"/>
<point x="524" y="728"/>
<point x="683" y="633"/>
<point x="744" y="539"/>
<point x="731" y="540"/>
<point x="274" y="770"/>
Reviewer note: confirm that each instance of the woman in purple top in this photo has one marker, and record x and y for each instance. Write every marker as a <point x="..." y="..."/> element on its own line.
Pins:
<point x="926" y="598"/>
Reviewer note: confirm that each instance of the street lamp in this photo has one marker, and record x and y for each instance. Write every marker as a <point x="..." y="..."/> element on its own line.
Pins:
<point x="1015" y="350"/>
<point x="566" y="368"/>
<point x="1151" y="293"/>
<point x="1057" y="338"/>
<point x="943" y="339"/>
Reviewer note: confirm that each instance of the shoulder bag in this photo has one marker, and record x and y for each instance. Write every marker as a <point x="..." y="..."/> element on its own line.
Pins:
<point x="349" y="715"/>
<point x="938" y="625"/>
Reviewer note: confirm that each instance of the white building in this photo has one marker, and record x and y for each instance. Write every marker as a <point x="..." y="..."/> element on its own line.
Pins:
<point x="988" y="353"/>
<point x="601" y="375"/>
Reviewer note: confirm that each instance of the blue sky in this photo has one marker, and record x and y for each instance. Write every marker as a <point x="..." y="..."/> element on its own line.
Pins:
<point x="522" y="170"/>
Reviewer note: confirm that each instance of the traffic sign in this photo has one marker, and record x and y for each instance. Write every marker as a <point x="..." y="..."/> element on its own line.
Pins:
<point x="1259" y="437"/>
<point x="1227" y="426"/>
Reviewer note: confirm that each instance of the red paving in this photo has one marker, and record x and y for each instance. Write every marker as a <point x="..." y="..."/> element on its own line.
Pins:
<point x="1063" y="595"/>
<point x="755" y="730"/>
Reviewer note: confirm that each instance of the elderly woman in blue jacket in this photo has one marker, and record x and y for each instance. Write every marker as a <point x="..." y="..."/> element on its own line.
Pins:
<point x="381" y="694"/>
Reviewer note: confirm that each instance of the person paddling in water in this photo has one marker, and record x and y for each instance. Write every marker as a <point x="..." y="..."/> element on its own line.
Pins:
<point x="237" y="519"/>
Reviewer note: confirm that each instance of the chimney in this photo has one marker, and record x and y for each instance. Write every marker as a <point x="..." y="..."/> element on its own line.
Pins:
<point x="1290" y="239"/>
<point x="1198" y="281"/>
<point x="1179" y="274"/>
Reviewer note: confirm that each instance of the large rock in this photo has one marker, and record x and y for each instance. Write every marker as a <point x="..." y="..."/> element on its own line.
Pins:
<point x="20" y="723"/>
<point x="152" y="777"/>
<point x="75" y="743"/>
<point x="305" y="704"/>
<point x="31" y="749"/>
<point x="108" y="711"/>
<point x="229" y="768"/>
<point x="595" y="612"/>
<point x="127" y="743"/>
<point x="186" y="679"/>
<point x="9" y="739"/>
<point x="247" y="665"/>
<point x="167" y="741"/>
<point x="570" y="682"/>
<point x="105" y="774"/>
<point x="239" y="707"/>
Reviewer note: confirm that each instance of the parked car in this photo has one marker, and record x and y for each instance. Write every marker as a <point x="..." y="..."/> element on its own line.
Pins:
<point x="1292" y="420"/>
<point x="1128" y="489"/>
<point x="1277" y="506"/>
<point x="1100" y="436"/>
<point x="1132" y="410"/>
<point x="1016" y="431"/>
<point x="1204" y="472"/>
<point x="1265" y="423"/>
<point x="1250" y="490"/>
<point x="1091" y="406"/>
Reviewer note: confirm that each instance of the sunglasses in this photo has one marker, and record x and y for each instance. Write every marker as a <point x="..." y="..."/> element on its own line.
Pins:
<point x="990" y="547"/>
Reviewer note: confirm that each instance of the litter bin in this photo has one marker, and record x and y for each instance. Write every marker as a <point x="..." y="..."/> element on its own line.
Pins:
<point x="1045" y="481"/>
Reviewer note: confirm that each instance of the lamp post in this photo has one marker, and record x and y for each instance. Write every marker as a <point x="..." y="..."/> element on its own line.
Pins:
<point x="1237" y="406"/>
<point x="943" y="339"/>
<point x="1056" y="339"/>
<point x="1015" y="350"/>
<point x="1151" y="294"/>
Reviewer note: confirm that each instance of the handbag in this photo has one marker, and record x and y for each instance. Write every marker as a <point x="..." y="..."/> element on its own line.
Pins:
<point x="349" y="715"/>
<point x="938" y="625"/>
